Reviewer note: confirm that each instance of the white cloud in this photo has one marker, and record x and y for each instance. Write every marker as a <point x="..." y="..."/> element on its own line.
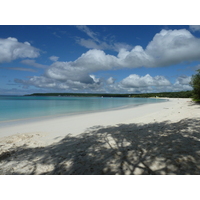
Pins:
<point x="95" y="79"/>
<point x="54" y="58"/>
<point x="63" y="71"/>
<point x="168" y="47"/>
<point x="38" y="81"/>
<point x="11" y="49"/>
<point x="131" y="84"/>
<point x="137" y="57"/>
<point x="195" y="28"/>
<point x="146" y="84"/>
<point x="95" y="60"/>
<point x="33" y="63"/>
<point x="172" y="47"/>
<point x="182" y="83"/>
<point x="72" y="85"/>
<point x="134" y="81"/>
<point x="110" y="80"/>
<point x="183" y="80"/>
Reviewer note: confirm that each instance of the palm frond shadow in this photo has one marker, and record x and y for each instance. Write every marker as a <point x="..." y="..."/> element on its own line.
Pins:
<point x="155" y="148"/>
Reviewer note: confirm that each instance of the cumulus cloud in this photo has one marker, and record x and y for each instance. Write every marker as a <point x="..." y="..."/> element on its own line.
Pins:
<point x="183" y="80"/>
<point x="11" y="49"/>
<point x="172" y="47"/>
<point x="137" y="57"/>
<point x="54" y="58"/>
<point x="62" y="71"/>
<point x="182" y="83"/>
<point x="168" y="47"/>
<point x="110" y="80"/>
<point x="134" y="81"/>
<point x="95" y="79"/>
<point x="70" y="85"/>
<point x="95" y="60"/>
<point x="38" y="81"/>
<point x="146" y="84"/>
<point x="131" y="84"/>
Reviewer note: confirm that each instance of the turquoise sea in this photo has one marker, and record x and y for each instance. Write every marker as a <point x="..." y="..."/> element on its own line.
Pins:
<point x="23" y="107"/>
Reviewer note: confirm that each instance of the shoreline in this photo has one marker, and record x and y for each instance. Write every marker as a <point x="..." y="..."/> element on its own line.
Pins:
<point x="159" y="138"/>
<point x="53" y="116"/>
<point x="12" y="127"/>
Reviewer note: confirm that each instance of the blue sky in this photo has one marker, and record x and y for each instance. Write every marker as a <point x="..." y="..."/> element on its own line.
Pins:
<point x="98" y="58"/>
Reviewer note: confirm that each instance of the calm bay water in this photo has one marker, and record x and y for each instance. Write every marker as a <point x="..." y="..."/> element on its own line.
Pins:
<point x="21" y="107"/>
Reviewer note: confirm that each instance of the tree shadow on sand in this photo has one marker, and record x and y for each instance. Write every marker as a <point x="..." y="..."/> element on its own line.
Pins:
<point x="154" y="148"/>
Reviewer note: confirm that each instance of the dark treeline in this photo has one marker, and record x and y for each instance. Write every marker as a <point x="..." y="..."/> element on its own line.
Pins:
<point x="183" y="94"/>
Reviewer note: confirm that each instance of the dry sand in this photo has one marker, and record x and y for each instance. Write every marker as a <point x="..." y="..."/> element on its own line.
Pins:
<point x="162" y="138"/>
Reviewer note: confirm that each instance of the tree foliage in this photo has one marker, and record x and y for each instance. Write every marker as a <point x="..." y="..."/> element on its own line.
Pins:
<point x="181" y="94"/>
<point x="195" y="83"/>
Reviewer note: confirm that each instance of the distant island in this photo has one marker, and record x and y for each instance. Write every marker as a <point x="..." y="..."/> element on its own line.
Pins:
<point x="182" y="94"/>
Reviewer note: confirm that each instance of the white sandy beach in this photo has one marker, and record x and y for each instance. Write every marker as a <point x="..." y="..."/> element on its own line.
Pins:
<point x="76" y="124"/>
<point x="161" y="138"/>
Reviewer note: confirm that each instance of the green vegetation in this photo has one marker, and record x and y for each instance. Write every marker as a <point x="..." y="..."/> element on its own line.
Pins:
<point x="183" y="94"/>
<point x="195" y="83"/>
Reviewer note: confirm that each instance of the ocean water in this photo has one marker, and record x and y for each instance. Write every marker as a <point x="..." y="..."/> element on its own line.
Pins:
<point x="23" y="107"/>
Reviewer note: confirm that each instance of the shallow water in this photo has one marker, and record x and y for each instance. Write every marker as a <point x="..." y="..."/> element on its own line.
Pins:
<point x="22" y="107"/>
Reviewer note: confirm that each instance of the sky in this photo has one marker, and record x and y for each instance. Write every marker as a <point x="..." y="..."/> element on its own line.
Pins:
<point x="97" y="58"/>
